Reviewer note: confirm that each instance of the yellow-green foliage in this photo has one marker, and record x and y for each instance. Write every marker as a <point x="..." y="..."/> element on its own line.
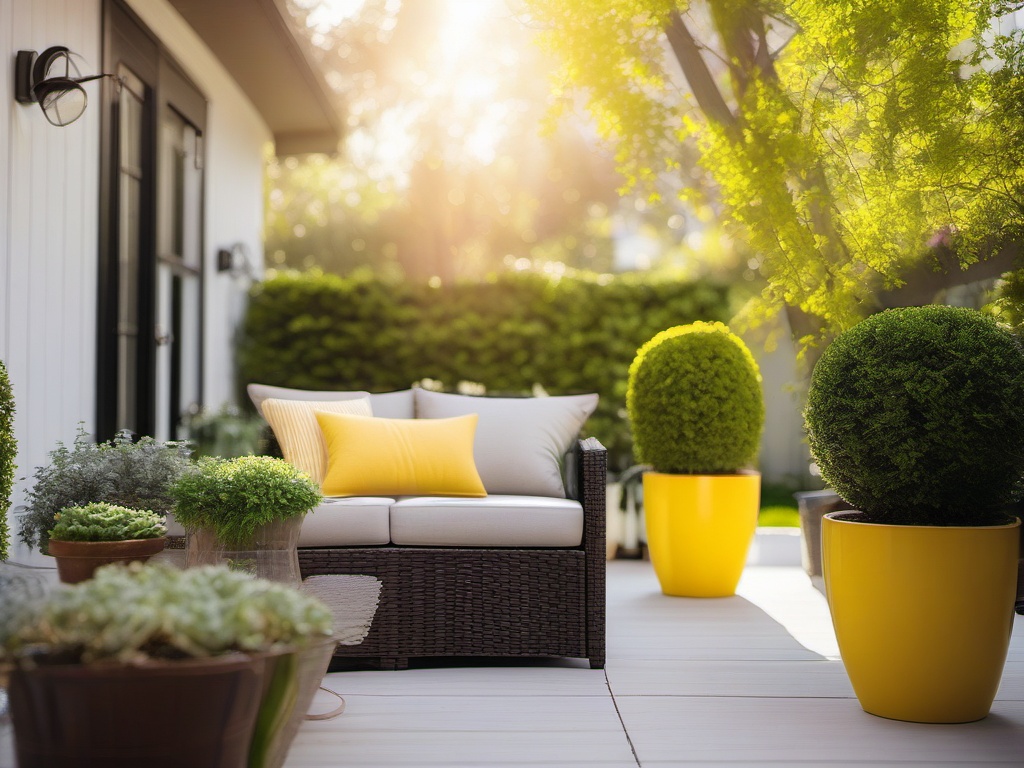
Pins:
<point x="235" y="496"/>
<point x="915" y="416"/>
<point x="570" y="335"/>
<point x="8" y="450"/>
<point x="876" y="131"/>
<point x="694" y="401"/>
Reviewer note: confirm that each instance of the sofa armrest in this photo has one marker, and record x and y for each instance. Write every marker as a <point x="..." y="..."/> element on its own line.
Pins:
<point x="590" y="475"/>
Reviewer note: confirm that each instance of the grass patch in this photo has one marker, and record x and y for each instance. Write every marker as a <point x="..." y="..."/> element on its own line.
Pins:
<point x="778" y="517"/>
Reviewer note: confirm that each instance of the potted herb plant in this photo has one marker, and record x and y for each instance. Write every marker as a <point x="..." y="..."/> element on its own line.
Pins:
<point x="914" y="417"/>
<point x="125" y="472"/>
<point x="247" y="511"/>
<point x="86" y="537"/>
<point x="696" y="410"/>
<point x="148" y="665"/>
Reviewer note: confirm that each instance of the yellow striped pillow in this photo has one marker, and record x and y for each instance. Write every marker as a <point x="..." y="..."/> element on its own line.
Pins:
<point x="296" y="429"/>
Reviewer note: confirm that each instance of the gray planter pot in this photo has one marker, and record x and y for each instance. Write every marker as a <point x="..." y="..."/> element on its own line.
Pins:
<point x="813" y="505"/>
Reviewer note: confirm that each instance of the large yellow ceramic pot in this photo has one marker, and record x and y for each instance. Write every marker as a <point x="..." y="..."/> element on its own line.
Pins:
<point x="922" y="614"/>
<point x="699" y="528"/>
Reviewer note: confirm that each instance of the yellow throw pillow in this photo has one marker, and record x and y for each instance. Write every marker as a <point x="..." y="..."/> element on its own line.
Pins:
<point x="395" y="457"/>
<point x="296" y="429"/>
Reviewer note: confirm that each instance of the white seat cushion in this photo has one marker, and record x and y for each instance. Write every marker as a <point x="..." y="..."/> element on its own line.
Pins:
<point x="357" y="521"/>
<point x="492" y="521"/>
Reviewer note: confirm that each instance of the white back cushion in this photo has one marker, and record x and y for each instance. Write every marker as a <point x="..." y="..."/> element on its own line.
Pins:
<point x="390" y="405"/>
<point x="520" y="442"/>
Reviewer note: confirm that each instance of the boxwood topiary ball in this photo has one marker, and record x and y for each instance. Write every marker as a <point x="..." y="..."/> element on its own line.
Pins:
<point x="916" y="416"/>
<point x="694" y="401"/>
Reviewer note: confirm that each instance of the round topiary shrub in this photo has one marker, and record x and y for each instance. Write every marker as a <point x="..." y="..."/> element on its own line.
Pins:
<point x="694" y="401"/>
<point x="916" y="416"/>
<point x="8" y="450"/>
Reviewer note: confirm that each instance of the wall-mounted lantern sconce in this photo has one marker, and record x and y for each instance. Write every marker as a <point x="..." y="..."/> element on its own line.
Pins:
<point x="235" y="261"/>
<point x="52" y="80"/>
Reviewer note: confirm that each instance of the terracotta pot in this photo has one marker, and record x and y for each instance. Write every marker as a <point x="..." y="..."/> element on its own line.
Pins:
<point x="922" y="614"/>
<point x="77" y="560"/>
<point x="199" y="713"/>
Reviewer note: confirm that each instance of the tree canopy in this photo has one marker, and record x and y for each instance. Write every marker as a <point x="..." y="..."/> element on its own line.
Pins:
<point x="847" y="143"/>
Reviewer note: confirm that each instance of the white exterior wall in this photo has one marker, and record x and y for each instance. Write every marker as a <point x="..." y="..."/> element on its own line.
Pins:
<point x="49" y="214"/>
<point x="785" y="456"/>
<point x="236" y="138"/>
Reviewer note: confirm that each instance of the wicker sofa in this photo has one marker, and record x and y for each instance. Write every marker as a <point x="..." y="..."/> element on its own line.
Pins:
<point x="472" y="595"/>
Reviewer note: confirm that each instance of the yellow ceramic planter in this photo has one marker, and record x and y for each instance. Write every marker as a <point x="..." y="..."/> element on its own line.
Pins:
<point x="922" y="614"/>
<point x="699" y="528"/>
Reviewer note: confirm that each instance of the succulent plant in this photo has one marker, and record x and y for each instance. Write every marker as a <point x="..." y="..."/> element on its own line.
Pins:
<point x="100" y="521"/>
<point x="132" y="613"/>
<point x="122" y="471"/>
<point x="915" y="416"/>
<point x="235" y="496"/>
<point x="694" y="401"/>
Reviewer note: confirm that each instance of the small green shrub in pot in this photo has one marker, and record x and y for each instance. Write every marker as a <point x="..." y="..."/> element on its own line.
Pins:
<point x="235" y="497"/>
<point x="694" y="401"/>
<point x="102" y="671"/>
<point x="101" y="521"/>
<point x="915" y="417"/>
<point x="125" y="472"/>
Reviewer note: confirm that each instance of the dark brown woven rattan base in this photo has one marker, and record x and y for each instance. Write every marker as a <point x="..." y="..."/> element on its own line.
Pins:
<point x="486" y="602"/>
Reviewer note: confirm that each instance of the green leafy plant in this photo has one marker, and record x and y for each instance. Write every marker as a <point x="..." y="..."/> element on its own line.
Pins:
<point x="137" y="612"/>
<point x="235" y="496"/>
<point x="122" y="471"/>
<point x="226" y="433"/>
<point x="914" y="417"/>
<point x="100" y="521"/>
<point x="694" y="401"/>
<point x="8" y="451"/>
<point x="570" y="334"/>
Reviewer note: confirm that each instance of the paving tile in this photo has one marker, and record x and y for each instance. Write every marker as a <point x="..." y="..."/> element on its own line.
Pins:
<point x="464" y="730"/>
<point x="817" y="731"/>
<point x="472" y="681"/>
<point x="1011" y="687"/>
<point x="779" y="678"/>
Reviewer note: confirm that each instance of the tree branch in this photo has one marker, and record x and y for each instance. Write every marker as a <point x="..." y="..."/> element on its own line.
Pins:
<point x="695" y="70"/>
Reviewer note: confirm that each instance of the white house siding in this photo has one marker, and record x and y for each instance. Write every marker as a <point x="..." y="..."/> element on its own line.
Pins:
<point x="49" y="216"/>
<point x="236" y="138"/>
<point x="784" y="456"/>
<point x="48" y="236"/>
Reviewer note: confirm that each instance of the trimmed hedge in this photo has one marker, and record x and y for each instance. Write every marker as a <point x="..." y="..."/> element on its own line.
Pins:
<point x="915" y="417"/>
<point x="695" y="402"/>
<point x="569" y="335"/>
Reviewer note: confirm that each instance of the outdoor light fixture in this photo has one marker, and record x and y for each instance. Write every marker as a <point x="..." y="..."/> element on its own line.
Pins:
<point x="52" y="80"/>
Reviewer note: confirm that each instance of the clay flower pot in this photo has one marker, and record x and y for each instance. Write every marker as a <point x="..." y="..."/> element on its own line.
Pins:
<point x="77" y="560"/>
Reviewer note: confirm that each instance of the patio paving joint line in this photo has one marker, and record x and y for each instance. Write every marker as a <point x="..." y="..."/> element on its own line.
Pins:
<point x="625" y="731"/>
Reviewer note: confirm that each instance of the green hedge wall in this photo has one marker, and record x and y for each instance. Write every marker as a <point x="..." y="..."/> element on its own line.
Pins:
<point x="569" y="334"/>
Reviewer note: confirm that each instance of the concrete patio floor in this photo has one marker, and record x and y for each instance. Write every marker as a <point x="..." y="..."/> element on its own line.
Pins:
<point x="742" y="681"/>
